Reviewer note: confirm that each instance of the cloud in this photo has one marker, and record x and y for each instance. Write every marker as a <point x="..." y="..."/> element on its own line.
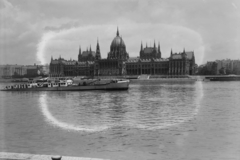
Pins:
<point x="25" y="24"/>
<point x="16" y="36"/>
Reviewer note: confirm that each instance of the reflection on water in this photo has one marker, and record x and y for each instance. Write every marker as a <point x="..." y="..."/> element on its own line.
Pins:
<point x="147" y="107"/>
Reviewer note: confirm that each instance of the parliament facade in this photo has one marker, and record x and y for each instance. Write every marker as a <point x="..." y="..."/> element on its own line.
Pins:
<point x="118" y="62"/>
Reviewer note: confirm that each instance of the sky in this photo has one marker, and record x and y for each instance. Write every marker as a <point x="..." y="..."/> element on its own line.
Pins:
<point x="31" y="31"/>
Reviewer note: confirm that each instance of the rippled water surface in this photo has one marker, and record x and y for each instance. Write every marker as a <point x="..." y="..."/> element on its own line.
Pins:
<point x="152" y="120"/>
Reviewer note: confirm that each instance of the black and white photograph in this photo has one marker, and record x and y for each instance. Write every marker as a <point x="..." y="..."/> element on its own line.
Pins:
<point x="119" y="80"/>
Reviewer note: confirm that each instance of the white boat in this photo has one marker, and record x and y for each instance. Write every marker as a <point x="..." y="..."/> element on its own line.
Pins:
<point x="94" y="84"/>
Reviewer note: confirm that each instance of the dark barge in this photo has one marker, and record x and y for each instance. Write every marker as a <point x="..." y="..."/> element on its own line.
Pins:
<point x="223" y="78"/>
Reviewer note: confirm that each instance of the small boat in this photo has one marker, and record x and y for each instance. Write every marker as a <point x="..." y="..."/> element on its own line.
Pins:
<point x="68" y="85"/>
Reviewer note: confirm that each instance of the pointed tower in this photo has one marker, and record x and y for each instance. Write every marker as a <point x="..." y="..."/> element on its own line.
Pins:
<point x="159" y="51"/>
<point x="141" y="53"/>
<point x="90" y="50"/>
<point x="79" y="54"/>
<point x="154" y="44"/>
<point x="159" y="47"/>
<point x="51" y="58"/>
<point x="98" y="53"/>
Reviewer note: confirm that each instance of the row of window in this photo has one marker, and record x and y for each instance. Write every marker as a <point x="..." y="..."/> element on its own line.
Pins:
<point x="148" y="65"/>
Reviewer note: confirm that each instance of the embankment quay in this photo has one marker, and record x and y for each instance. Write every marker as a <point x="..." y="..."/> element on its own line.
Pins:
<point x="24" y="156"/>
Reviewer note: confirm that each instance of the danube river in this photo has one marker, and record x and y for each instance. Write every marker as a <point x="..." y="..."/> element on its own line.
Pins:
<point x="152" y="120"/>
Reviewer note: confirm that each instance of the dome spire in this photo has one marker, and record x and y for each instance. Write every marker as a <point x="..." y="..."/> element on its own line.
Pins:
<point x="117" y="32"/>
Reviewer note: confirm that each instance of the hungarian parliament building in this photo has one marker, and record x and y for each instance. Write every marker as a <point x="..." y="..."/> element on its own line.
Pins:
<point x="118" y="62"/>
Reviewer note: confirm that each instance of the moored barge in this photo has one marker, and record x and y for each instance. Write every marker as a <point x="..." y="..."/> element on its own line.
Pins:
<point x="223" y="78"/>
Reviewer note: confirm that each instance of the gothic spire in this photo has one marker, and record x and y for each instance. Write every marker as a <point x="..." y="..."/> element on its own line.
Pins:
<point x="79" y="54"/>
<point x="98" y="54"/>
<point x="79" y="50"/>
<point x="159" y="51"/>
<point x="90" y="48"/>
<point x="154" y="44"/>
<point x="98" y="47"/>
<point x="159" y="47"/>
<point x="141" y="46"/>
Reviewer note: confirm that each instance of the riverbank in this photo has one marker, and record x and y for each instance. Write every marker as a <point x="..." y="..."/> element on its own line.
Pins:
<point x="24" y="156"/>
<point x="112" y="77"/>
<point x="165" y="80"/>
<point x="5" y="80"/>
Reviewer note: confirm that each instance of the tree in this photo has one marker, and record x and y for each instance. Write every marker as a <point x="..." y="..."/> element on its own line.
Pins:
<point x="236" y="70"/>
<point x="222" y="70"/>
<point x="228" y="71"/>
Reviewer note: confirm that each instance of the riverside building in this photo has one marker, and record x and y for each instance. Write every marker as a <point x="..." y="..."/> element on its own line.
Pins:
<point x="118" y="62"/>
<point x="18" y="71"/>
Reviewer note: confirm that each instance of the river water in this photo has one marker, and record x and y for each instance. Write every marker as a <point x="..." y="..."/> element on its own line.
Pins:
<point x="152" y="120"/>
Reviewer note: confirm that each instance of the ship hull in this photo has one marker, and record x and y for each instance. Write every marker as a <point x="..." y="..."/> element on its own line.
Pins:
<point x="109" y="86"/>
<point x="224" y="78"/>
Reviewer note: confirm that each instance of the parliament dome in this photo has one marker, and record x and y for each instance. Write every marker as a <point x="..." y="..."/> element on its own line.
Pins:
<point x="117" y="41"/>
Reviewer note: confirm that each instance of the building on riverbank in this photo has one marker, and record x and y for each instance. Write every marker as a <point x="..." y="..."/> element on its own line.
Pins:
<point x="18" y="71"/>
<point x="61" y="67"/>
<point x="7" y="71"/>
<point x="119" y="63"/>
<point x="225" y="66"/>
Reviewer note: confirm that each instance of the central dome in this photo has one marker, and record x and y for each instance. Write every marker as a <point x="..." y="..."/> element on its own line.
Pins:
<point x="118" y="49"/>
<point x="117" y="41"/>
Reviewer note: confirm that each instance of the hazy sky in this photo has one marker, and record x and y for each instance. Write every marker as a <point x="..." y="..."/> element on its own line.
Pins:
<point x="31" y="31"/>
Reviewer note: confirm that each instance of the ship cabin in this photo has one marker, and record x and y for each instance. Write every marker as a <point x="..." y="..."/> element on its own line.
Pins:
<point x="61" y="83"/>
<point x="53" y="84"/>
